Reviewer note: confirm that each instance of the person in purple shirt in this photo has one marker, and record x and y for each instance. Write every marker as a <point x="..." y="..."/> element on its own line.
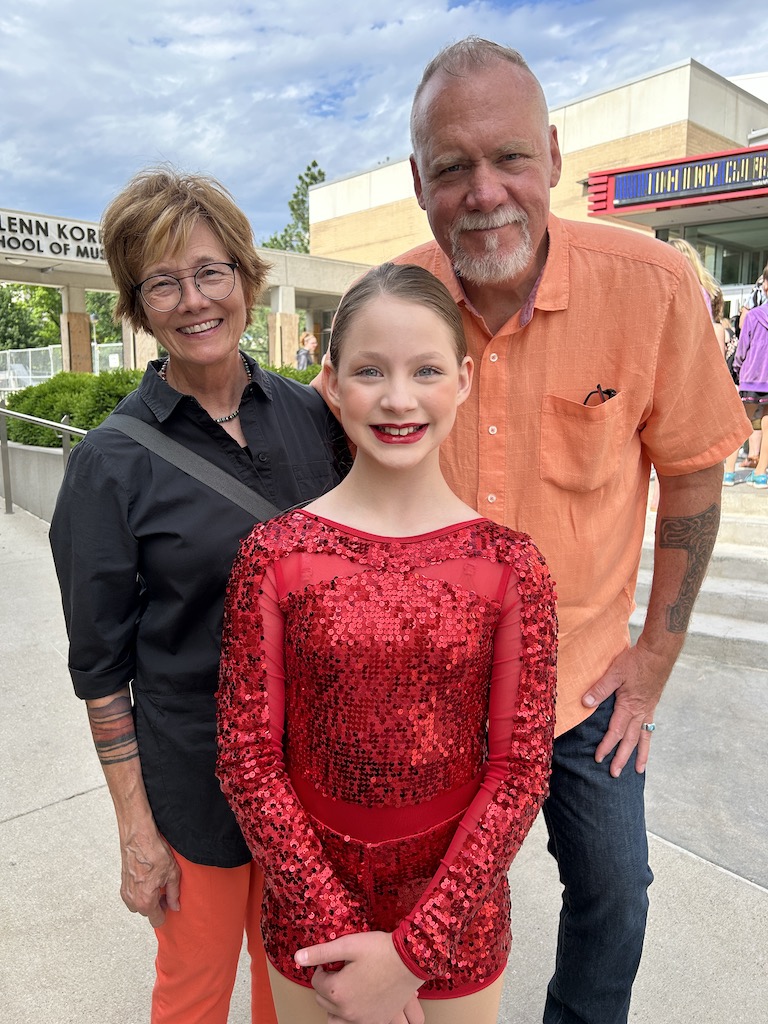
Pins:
<point x="751" y="363"/>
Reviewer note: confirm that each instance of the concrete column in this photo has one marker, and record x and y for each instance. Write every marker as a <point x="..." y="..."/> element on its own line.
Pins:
<point x="314" y="324"/>
<point x="283" y="325"/>
<point x="138" y="348"/>
<point x="282" y="299"/>
<point x="283" y="338"/>
<point x="146" y="349"/>
<point x="75" y="331"/>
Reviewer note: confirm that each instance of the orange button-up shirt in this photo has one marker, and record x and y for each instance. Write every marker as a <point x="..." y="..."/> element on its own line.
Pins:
<point x="615" y="308"/>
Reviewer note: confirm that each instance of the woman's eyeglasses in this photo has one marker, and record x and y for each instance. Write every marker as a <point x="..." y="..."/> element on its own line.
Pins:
<point x="162" y="292"/>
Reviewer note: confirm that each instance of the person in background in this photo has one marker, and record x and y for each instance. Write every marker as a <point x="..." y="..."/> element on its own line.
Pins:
<point x="143" y="553"/>
<point x="710" y="289"/>
<point x="307" y="351"/>
<point x="751" y="449"/>
<point x="731" y="342"/>
<point x="557" y="439"/>
<point x="750" y="362"/>
<point x="758" y="296"/>
<point x="386" y="704"/>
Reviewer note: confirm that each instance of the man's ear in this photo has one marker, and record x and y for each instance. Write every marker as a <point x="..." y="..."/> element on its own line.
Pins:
<point x="417" y="187"/>
<point x="555" y="157"/>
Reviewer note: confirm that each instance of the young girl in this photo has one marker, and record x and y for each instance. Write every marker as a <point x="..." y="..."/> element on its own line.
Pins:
<point x="386" y="699"/>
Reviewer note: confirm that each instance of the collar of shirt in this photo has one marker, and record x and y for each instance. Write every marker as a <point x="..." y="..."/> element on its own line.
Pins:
<point x="162" y="400"/>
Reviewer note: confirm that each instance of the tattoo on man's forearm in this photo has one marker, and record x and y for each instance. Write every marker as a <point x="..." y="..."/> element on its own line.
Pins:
<point x="696" y="535"/>
<point x="114" y="735"/>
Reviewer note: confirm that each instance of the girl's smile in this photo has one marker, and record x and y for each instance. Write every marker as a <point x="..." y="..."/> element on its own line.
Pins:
<point x="406" y="434"/>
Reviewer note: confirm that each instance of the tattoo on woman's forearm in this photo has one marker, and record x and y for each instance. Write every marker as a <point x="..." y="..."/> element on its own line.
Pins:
<point x="696" y="536"/>
<point x="114" y="735"/>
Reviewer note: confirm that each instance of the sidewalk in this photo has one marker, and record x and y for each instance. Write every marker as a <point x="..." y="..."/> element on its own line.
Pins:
<point x="70" y="952"/>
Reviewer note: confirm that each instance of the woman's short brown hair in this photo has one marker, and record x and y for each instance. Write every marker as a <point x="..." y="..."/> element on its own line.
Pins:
<point x="402" y="281"/>
<point x="155" y="212"/>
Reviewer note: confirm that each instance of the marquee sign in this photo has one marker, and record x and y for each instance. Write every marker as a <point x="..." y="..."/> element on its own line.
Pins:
<point x="27" y="234"/>
<point x="710" y="178"/>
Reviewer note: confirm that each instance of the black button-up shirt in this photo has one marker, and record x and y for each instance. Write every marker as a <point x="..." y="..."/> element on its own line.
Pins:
<point x="143" y="553"/>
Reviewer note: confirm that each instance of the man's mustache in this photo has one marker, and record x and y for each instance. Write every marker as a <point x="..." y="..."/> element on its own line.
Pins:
<point x="485" y="221"/>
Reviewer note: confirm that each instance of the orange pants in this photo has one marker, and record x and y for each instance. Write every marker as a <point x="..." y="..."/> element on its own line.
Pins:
<point x="199" y="946"/>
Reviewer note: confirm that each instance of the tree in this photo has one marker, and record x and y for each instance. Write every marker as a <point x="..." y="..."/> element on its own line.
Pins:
<point x="29" y="316"/>
<point x="100" y="306"/>
<point x="295" y="236"/>
<point x="17" y="326"/>
<point x="44" y="305"/>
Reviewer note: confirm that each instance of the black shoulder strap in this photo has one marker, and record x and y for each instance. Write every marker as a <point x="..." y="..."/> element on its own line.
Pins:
<point x="194" y="465"/>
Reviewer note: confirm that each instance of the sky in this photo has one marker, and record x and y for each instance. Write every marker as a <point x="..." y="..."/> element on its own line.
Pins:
<point x="91" y="92"/>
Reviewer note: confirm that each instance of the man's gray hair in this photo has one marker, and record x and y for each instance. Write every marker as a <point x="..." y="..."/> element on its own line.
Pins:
<point x="467" y="54"/>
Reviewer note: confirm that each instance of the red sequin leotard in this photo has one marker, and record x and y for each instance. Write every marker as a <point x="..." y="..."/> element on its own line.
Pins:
<point x="386" y="711"/>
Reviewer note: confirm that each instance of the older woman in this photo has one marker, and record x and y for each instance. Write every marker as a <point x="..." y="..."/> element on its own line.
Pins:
<point x="143" y="553"/>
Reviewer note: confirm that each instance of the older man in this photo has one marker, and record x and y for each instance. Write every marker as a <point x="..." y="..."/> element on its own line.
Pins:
<point x="557" y="439"/>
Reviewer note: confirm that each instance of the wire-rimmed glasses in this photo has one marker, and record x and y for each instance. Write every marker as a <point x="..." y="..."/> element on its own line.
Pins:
<point x="162" y="292"/>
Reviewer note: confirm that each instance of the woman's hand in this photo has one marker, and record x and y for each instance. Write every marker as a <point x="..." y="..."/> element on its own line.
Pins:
<point x="150" y="876"/>
<point x="373" y="987"/>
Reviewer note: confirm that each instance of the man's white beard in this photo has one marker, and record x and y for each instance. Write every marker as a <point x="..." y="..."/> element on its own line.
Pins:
<point x="492" y="267"/>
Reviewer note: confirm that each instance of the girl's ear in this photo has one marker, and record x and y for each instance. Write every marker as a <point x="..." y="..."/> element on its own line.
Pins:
<point x="466" y="372"/>
<point x="330" y="386"/>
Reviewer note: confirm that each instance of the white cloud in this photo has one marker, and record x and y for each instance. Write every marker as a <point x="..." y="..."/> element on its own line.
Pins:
<point x="251" y="94"/>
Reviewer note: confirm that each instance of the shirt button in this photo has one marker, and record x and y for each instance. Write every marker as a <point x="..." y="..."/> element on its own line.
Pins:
<point x="494" y="358"/>
<point x="491" y="498"/>
<point x="493" y="430"/>
<point x="263" y="457"/>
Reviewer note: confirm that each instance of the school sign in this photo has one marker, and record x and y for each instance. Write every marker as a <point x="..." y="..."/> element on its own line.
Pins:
<point x="24" y="235"/>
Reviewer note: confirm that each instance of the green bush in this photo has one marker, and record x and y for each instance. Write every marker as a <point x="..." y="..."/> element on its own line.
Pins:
<point x="52" y="400"/>
<point x="87" y="399"/>
<point x="303" y="376"/>
<point x="104" y="392"/>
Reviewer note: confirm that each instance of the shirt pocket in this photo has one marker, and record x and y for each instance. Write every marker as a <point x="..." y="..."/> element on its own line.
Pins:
<point x="581" y="445"/>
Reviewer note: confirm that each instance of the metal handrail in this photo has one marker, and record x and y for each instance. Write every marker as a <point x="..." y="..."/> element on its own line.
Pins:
<point x="62" y="428"/>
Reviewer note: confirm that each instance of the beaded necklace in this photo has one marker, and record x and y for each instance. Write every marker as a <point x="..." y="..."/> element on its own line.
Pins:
<point x="163" y="373"/>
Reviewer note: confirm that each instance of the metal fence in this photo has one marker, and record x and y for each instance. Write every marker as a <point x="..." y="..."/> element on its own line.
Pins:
<point x="67" y="433"/>
<point x="23" y="367"/>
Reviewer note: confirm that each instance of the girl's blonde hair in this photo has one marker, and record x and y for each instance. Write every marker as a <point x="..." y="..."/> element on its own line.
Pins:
<point x="401" y="281"/>
<point x="706" y="280"/>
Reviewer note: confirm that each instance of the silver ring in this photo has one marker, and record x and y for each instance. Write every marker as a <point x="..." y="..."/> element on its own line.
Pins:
<point x="648" y="726"/>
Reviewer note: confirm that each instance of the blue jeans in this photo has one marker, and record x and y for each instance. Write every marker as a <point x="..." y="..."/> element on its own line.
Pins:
<point x="597" y="836"/>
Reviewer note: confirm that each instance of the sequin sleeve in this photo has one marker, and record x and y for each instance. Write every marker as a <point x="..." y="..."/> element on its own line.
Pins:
<point x="521" y="728"/>
<point x="250" y="762"/>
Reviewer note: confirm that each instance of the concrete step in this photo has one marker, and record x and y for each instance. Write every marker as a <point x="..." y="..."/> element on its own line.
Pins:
<point x="731" y="596"/>
<point x="743" y="498"/>
<point x="719" y="638"/>
<point x="749" y="531"/>
<point x="735" y="561"/>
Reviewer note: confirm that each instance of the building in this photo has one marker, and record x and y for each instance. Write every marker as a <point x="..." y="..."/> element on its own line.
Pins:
<point x="671" y="118"/>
